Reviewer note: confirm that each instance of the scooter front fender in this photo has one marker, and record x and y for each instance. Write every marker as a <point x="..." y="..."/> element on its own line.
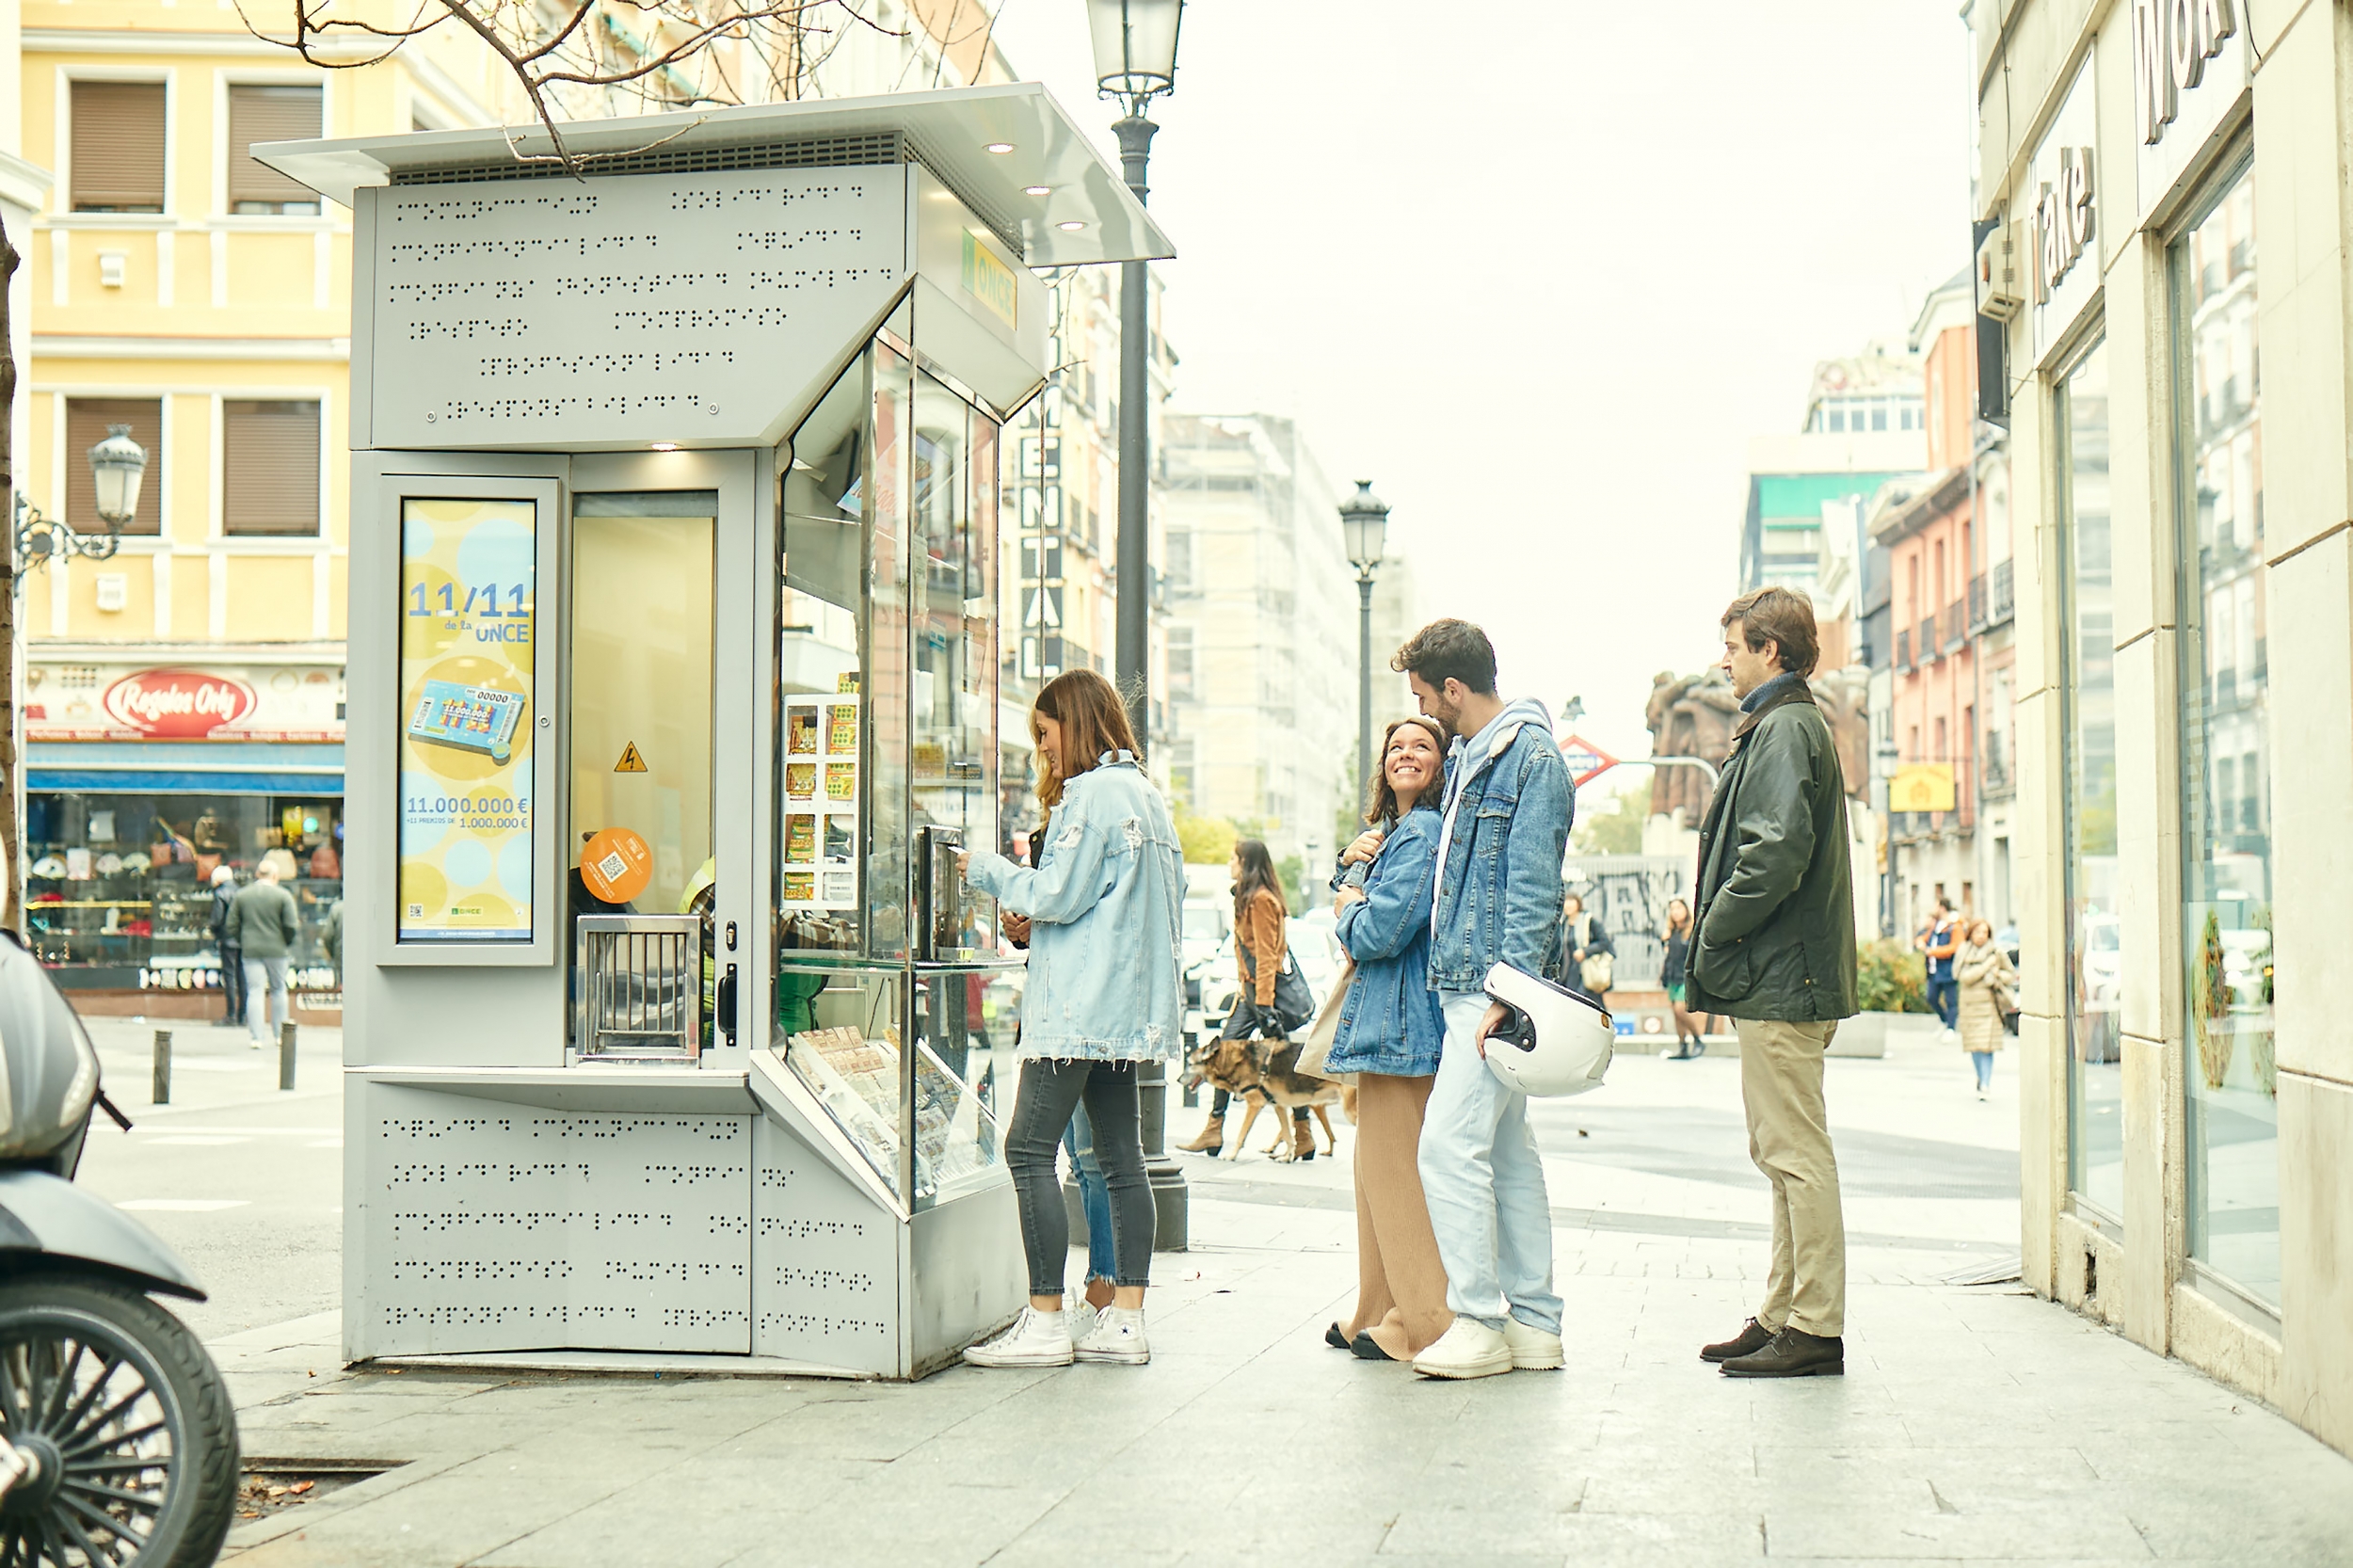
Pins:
<point x="44" y="1217"/>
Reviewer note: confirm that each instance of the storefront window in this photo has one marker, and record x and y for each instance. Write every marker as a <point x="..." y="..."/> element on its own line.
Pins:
<point x="2233" y="1124"/>
<point x="2095" y="933"/>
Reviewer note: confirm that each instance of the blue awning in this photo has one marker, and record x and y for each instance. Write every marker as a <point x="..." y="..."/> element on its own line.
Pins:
<point x="185" y="767"/>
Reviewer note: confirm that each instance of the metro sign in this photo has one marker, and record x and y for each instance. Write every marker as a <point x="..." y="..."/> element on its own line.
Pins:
<point x="1586" y="761"/>
<point x="178" y="704"/>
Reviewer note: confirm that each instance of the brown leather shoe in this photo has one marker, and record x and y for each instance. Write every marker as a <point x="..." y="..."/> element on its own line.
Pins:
<point x="1753" y="1337"/>
<point x="1210" y="1139"/>
<point x="1793" y="1354"/>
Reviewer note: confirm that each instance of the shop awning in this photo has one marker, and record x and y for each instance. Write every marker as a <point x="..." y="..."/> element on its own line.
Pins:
<point x="186" y="768"/>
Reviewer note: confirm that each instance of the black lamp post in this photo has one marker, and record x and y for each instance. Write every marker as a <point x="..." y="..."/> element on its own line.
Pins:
<point x="1135" y="61"/>
<point x="1364" y="526"/>
<point x="118" y="464"/>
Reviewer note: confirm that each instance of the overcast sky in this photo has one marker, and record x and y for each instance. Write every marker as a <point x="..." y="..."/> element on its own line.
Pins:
<point x="1538" y="272"/>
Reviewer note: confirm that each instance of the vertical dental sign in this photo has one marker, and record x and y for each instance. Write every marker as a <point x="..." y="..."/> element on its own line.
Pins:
<point x="2063" y="205"/>
<point x="2189" y="67"/>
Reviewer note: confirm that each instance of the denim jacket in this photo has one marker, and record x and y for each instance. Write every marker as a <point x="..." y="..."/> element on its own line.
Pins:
<point x="1499" y="896"/>
<point x="1390" y="1022"/>
<point x="1106" y="971"/>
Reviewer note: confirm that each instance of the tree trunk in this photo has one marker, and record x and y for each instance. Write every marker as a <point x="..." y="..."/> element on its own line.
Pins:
<point x="11" y="854"/>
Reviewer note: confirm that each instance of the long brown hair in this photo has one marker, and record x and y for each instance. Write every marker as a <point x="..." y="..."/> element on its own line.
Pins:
<point x="1383" y="798"/>
<point x="1257" y="876"/>
<point x="1093" y="721"/>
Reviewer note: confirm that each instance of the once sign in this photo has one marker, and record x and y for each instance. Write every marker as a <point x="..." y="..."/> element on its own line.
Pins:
<point x="2173" y="40"/>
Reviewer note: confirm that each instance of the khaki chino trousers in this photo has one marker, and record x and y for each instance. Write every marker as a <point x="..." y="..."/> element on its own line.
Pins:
<point x="1781" y="1086"/>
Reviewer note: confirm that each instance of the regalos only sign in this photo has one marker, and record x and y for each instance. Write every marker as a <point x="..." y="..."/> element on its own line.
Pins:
<point x="178" y="705"/>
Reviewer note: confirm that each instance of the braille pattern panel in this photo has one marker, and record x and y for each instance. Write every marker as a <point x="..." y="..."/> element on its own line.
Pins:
<point x="825" y="1262"/>
<point x="635" y="308"/>
<point x="522" y="1228"/>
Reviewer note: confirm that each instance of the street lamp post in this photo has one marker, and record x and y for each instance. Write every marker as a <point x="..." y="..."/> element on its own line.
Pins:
<point x="1135" y="61"/>
<point x="1365" y="527"/>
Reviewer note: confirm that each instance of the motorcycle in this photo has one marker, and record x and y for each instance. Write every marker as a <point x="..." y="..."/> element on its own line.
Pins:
<point x="118" y="1439"/>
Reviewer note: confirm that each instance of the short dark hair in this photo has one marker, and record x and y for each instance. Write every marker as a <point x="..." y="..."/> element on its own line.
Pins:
<point x="1449" y="650"/>
<point x="1783" y="616"/>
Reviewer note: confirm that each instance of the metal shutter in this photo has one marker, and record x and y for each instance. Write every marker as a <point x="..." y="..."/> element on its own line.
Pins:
<point x="270" y="452"/>
<point x="85" y="422"/>
<point x="268" y="114"/>
<point x="118" y="146"/>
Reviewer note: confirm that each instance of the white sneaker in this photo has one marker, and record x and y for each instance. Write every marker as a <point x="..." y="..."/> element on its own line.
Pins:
<point x="1036" y="1339"/>
<point x="1468" y="1349"/>
<point x="1079" y="1314"/>
<point x="1117" y="1336"/>
<point x="1532" y="1349"/>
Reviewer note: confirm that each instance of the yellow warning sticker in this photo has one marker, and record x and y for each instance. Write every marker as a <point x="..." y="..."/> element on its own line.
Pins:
<point x="631" y="762"/>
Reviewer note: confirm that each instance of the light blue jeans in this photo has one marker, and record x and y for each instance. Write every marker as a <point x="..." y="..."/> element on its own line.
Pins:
<point x="1485" y="1184"/>
<point x="1094" y="1196"/>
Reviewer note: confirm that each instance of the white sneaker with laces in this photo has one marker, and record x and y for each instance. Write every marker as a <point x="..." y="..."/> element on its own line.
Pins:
<point x="1080" y="1315"/>
<point x="1117" y="1336"/>
<point x="1468" y="1349"/>
<point x="1532" y="1349"/>
<point x="1035" y="1339"/>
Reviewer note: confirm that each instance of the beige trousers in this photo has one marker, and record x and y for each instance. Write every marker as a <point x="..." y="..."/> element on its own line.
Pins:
<point x="1400" y="1282"/>
<point x="1781" y="1085"/>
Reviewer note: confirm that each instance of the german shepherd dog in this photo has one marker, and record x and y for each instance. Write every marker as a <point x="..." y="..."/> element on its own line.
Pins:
<point x="1260" y="1073"/>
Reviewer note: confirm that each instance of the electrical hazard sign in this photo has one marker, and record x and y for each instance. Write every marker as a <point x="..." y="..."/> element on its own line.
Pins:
<point x="631" y="762"/>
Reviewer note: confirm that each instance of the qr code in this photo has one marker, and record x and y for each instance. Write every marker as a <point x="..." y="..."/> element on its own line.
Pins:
<point x="416" y="911"/>
<point x="613" y="866"/>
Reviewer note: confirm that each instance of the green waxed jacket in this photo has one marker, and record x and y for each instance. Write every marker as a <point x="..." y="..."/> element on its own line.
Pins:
<point x="1775" y="910"/>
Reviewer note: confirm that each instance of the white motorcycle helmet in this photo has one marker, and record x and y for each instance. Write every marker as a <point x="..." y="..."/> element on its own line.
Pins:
<point x="1553" y="1041"/>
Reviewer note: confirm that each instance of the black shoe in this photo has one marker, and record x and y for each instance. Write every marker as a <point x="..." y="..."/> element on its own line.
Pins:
<point x="1334" y="1337"/>
<point x="1753" y="1337"/>
<point x="1366" y="1350"/>
<point x="1793" y="1354"/>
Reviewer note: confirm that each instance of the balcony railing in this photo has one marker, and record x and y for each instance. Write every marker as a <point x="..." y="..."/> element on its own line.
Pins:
<point x="1931" y="651"/>
<point x="1976" y="602"/>
<point x="1956" y="626"/>
<point x="1903" y="651"/>
<point x="1994" y="769"/>
<point x="2005" y="603"/>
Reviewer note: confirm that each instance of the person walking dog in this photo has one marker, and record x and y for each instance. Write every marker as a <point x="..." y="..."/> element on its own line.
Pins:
<point x="1502" y="830"/>
<point x="1775" y="950"/>
<point x="1104" y="993"/>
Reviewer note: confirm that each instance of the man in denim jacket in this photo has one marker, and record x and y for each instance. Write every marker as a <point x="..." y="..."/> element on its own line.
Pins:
<point x="1505" y="828"/>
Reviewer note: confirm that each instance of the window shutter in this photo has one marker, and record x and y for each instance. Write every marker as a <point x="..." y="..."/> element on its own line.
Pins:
<point x="264" y="115"/>
<point x="85" y="422"/>
<point x="270" y="452"/>
<point x="118" y="141"/>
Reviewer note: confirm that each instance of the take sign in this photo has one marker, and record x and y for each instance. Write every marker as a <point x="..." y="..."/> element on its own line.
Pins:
<point x="1586" y="761"/>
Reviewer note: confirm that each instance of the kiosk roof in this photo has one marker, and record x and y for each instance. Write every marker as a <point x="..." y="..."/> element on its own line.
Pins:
<point x="950" y="131"/>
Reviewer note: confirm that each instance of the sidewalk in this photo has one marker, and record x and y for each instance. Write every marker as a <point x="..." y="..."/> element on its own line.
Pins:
<point x="1974" y="1424"/>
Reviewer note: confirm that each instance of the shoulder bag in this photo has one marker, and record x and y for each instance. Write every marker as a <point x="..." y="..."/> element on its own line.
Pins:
<point x="1321" y="1038"/>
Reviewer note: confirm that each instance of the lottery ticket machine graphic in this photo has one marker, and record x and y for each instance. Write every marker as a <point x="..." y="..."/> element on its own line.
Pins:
<point x="473" y="717"/>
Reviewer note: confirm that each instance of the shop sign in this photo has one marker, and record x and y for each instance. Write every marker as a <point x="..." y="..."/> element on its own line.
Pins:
<point x="1922" y="787"/>
<point x="2064" y="216"/>
<point x="180" y="705"/>
<point x="2189" y="69"/>
<point x="131" y="702"/>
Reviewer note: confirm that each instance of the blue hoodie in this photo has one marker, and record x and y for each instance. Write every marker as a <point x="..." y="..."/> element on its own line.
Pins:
<point x="1506" y="830"/>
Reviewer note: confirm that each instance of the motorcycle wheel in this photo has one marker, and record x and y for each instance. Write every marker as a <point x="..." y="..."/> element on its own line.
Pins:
<point x="128" y="1422"/>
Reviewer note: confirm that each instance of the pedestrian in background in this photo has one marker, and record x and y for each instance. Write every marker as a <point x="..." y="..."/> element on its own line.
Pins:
<point x="1261" y="951"/>
<point x="1986" y="983"/>
<point x="265" y="925"/>
<point x="1104" y="993"/>
<point x="1588" y="958"/>
<point x="1502" y="830"/>
<point x="233" y="988"/>
<point x="1389" y="1033"/>
<point x="1775" y="950"/>
<point x="1940" y="942"/>
<point x="1690" y="1040"/>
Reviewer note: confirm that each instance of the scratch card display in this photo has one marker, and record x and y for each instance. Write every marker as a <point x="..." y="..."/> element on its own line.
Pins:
<point x="475" y="717"/>
<point x="823" y="776"/>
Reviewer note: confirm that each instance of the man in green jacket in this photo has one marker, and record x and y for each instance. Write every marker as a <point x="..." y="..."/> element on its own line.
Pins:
<point x="1774" y="950"/>
<point x="263" y="921"/>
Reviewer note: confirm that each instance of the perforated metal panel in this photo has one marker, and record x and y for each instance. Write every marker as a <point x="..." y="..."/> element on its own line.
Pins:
<point x="825" y="1262"/>
<point x="687" y="307"/>
<point x="494" y="1226"/>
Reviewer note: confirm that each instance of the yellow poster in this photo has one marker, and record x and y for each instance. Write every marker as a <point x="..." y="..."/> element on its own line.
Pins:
<point x="468" y="580"/>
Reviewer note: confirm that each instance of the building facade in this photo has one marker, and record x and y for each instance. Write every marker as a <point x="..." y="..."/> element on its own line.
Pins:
<point x="2164" y="188"/>
<point x="1862" y="427"/>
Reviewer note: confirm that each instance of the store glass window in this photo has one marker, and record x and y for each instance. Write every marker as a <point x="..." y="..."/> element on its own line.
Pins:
<point x="2095" y="933"/>
<point x="2234" y="1116"/>
<point x="120" y="886"/>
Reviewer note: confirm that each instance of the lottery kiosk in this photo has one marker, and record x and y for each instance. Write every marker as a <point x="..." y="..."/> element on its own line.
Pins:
<point x="676" y="682"/>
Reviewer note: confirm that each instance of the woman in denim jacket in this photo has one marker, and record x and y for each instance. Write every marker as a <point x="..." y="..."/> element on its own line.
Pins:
<point x="1389" y="1033"/>
<point x="1103" y="993"/>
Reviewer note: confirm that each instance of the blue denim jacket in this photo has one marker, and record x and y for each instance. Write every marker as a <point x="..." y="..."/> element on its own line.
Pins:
<point x="1106" y="971"/>
<point x="1390" y="1022"/>
<point x="1499" y="899"/>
